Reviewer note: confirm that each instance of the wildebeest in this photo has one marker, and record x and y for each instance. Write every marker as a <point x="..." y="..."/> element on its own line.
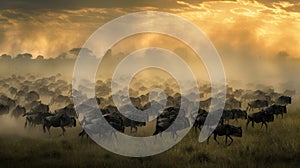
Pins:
<point x="277" y="109"/>
<point x="44" y="108"/>
<point x="59" y="120"/>
<point x="239" y="114"/>
<point x="228" y="131"/>
<point x="60" y="99"/>
<point x="205" y="104"/>
<point x="7" y="101"/>
<point x="200" y="119"/>
<point x="35" y="118"/>
<point x="257" y="104"/>
<point x="18" y="111"/>
<point x="96" y="123"/>
<point x="289" y="92"/>
<point x="227" y="115"/>
<point x="166" y="119"/>
<point x="233" y="103"/>
<point x="263" y="117"/>
<point x="69" y="110"/>
<point x="32" y="96"/>
<point x="4" y="109"/>
<point x="284" y="100"/>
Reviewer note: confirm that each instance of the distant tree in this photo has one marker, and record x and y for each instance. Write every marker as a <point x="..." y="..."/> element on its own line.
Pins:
<point x="40" y="57"/>
<point x="24" y="56"/>
<point x="5" y="57"/>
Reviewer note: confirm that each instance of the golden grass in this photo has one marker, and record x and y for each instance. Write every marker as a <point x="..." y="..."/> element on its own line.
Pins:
<point x="277" y="147"/>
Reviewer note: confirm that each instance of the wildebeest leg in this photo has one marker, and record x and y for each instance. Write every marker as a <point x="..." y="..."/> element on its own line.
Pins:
<point x="281" y="115"/>
<point x="248" y="121"/>
<point x="115" y="134"/>
<point x="262" y="124"/>
<point x="230" y="139"/>
<point x="44" y="128"/>
<point x="208" y="139"/>
<point x="266" y="125"/>
<point x="195" y="126"/>
<point x="63" y="131"/>
<point x="133" y="127"/>
<point x="25" y="125"/>
<point x="215" y="138"/>
<point x="174" y="135"/>
<point x="253" y="124"/>
<point x="48" y="129"/>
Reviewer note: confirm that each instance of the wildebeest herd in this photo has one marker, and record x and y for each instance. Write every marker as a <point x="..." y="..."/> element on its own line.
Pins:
<point x="47" y="102"/>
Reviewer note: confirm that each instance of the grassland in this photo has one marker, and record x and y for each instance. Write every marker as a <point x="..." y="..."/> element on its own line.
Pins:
<point x="277" y="147"/>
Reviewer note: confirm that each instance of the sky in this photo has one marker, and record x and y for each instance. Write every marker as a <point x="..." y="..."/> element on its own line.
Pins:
<point x="236" y="27"/>
<point x="257" y="40"/>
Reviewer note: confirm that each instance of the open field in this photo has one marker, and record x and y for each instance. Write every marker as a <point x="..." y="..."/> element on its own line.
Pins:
<point x="277" y="147"/>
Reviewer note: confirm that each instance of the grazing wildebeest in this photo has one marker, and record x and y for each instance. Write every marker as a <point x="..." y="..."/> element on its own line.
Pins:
<point x="284" y="100"/>
<point x="18" y="111"/>
<point x="228" y="131"/>
<point x="4" y="109"/>
<point x="59" y="120"/>
<point x="262" y="117"/>
<point x="257" y="104"/>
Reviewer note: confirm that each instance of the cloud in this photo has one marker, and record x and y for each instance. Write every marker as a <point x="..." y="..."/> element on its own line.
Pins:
<point x="80" y="4"/>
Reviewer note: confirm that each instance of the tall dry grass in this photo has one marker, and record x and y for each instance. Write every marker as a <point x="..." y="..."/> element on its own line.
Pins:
<point x="277" y="147"/>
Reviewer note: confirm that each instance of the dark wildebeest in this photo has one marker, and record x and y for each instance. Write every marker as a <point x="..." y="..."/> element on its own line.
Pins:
<point x="233" y="103"/>
<point x="18" y="111"/>
<point x="60" y="99"/>
<point x="200" y="119"/>
<point x="284" y="100"/>
<point x="278" y="109"/>
<point x="32" y="96"/>
<point x="228" y="131"/>
<point x="4" y="109"/>
<point x="239" y="114"/>
<point x="69" y="110"/>
<point x="289" y="92"/>
<point x="257" y="104"/>
<point x="95" y="125"/>
<point x="262" y="117"/>
<point x="7" y="101"/>
<point x="227" y="115"/>
<point x="41" y="108"/>
<point x="35" y="118"/>
<point x="205" y="104"/>
<point x="166" y="119"/>
<point x="13" y="91"/>
<point x="59" y="120"/>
